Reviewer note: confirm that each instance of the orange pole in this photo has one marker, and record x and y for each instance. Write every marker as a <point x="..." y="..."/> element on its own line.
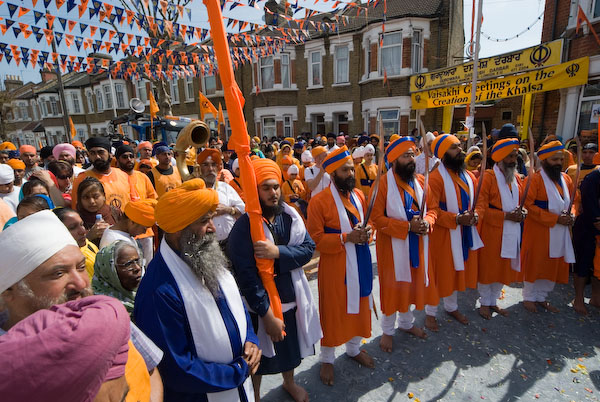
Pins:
<point x="241" y="142"/>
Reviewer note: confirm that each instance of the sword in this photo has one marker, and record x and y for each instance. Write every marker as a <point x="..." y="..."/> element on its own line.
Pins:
<point x="426" y="150"/>
<point x="531" y="168"/>
<point x="577" y="174"/>
<point x="482" y="170"/>
<point x="377" y="178"/>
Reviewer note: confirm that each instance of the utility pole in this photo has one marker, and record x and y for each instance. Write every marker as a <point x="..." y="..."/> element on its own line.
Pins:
<point x="61" y="89"/>
<point x="471" y="117"/>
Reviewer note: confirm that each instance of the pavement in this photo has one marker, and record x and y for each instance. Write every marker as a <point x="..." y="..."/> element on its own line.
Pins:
<point x="522" y="357"/>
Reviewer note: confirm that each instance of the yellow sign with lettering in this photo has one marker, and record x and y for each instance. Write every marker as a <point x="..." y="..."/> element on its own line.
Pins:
<point x="544" y="55"/>
<point x="570" y="74"/>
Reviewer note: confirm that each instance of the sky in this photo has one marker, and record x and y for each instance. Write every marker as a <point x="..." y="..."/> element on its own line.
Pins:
<point x="501" y="19"/>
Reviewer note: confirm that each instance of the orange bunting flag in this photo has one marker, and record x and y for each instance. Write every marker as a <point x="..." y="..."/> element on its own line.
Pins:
<point x="82" y="7"/>
<point x="93" y="30"/>
<point x="108" y="8"/>
<point x="50" y="19"/>
<point x="3" y="28"/>
<point x="206" y="106"/>
<point x="59" y="3"/>
<point x="73" y="131"/>
<point x="581" y="18"/>
<point x="71" y="25"/>
<point x="23" y="11"/>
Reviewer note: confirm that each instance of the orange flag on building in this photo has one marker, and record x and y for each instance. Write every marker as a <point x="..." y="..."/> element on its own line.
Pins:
<point x="206" y="106"/>
<point x="72" y="127"/>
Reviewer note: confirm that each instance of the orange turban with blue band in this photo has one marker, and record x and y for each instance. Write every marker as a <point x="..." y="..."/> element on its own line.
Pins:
<point x="549" y="149"/>
<point x="266" y="169"/>
<point x="336" y="159"/>
<point x="184" y="205"/>
<point x="141" y="212"/>
<point x="503" y="148"/>
<point x="442" y="143"/>
<point x="399" y="147"/>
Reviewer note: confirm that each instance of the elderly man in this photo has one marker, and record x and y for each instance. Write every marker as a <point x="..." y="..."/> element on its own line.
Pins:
<point x="336" y="223"/>
<point x="189" y="304"/>
<point x="290" y="246"/>
<point x="115" y="182"/>
<point x="231" y="206"/>
<point x="454" y="237"/>
<point x="28" y="155"/>
<point x="547" y="249"/>
<point x="500" y="226"/>
<point x="67" y="152"/>
<point x="403" y="244"/>
<point x="164" y="176"/>
<point x="420" y="160"/>
<point x="317" y="179"/>
<point x="9" y="193"/>
<point x="144" y="148"/>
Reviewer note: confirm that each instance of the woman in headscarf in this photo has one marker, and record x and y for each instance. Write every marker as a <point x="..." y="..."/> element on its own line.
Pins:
<point x="118" y="272"/>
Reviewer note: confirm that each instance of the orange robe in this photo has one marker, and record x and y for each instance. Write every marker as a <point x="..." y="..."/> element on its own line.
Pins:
<point x="447" y="278"/>
<point x="294" y="189"/>
<point x="365" y="176"/>
<point x="142" y="189"/>
<point x="338" y="326"/>
<point x="394" y="295"/>
<point x="116" y="187"/>
<point x="237" y="186"/>
<point x="535" y="255"/>
<point x="492" y="267"/>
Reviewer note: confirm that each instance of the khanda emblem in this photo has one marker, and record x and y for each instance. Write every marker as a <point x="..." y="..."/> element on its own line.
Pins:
<point x="420" y="81"/>
<point x="540" y="55"/>
<point x="573" y="69"/>
<point x="418" y="98"/>
<point x="116" y="204"/>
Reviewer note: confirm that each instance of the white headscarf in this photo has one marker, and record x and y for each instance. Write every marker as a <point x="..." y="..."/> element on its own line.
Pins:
<point x="7" y="174"/>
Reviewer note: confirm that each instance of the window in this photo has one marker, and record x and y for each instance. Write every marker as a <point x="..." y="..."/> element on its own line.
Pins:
<point x="35" y="110"/>
<point x="390" y="120"/>
<point x="285" y="70"/>
<point x="268" y="126"/>
<point x="591" y="97"/>
<point x="99" y="100"/>
<point x="227" y="128"/>
<point x="210" y="85"/>
<point x="341" y="64"/>
<point x="288" y="129"/>
<point x="81" y="133"/>
<point x="507" y="115"/>
<point x="109" y="98"/>
<point x="174" y="89"/>
<point x="44" y="107"/>
<point x="267" y="79"/>
<point x="314" y="69"/>
<point x="140" y="90"/>
<point x="90" y="102"/>
<point x="318" y="123"/>
<point x="596" y="9"/>
<point x="54" y="106"/>
<point x="120" y="96"/>
<point x="189" y="88"/>
<point x="417" y="51"/>
<point x="75" y="102"/>
<point x="391" y="54"/>
<point x="16" y="113"/>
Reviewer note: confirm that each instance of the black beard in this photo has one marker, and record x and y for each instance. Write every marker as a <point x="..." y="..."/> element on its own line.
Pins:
<point x="456" y="164"/>
<point x="405" y="172"/>
<point x="553" y="171"/>
<point x="269" y="211"/>
<point x="204" y="257"/>
<point x="102" y="165"/>
<point x="346" y="185"/>
<point x="126" y="167"/>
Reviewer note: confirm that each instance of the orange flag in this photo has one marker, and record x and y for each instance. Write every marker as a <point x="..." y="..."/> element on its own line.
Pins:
<point x="23" y="11"/>
<point x="206" y="106"/>
<point x="73" y="131"/>
<point x="220" y="117"/>
<point x="153" y="110"/>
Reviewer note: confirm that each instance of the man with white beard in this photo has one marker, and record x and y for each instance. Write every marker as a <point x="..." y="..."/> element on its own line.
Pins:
<point x="188" y="303"/>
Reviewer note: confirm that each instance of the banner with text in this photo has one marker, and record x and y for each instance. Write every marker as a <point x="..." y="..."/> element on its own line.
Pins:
<point x="544" y="55"/>
<point x="570" y="74"/>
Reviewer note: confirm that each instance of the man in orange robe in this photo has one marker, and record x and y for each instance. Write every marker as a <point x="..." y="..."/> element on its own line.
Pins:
<point x="335" y="219"/>
<point x="547" y="249"/>
<point x="454" y="237"/>
<point x="402" y="243"/>
<point x="499" y="226"/>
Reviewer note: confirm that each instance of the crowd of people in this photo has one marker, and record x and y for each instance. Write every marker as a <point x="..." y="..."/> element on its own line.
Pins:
<point x="115" y="261"/>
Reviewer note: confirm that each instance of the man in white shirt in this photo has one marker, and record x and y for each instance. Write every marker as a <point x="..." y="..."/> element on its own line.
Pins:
<point x="331" y="142"/>
<point x="420" y="159"/>
<point x="231" y="206"/>
<point x="9" y="193"/>
<point x="315" y="176"/>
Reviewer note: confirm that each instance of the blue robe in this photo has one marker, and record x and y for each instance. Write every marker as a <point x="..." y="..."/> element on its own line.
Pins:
<point x="160" y="313"/>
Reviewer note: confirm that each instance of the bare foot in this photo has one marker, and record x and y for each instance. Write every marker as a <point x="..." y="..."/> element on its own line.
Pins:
<point x="485" y="312"/>
<point x="364" y="359"/>
<point x="547" y="306"/>
<point x="431" y="323"/>
<point x="297" y="393"/>
<point x="458" y="316"/>
<point x="500" y="311"/>
<point x="416" y="331"/>
<point x="326" y="373"/>
<point x="579" y="307"/>
<point x="386" y="343"/>
<point x="530" y="306"/>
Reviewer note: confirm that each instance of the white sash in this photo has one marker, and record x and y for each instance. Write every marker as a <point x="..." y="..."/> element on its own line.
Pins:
<point x="352" y="282"/>
<point x="452" y="206"/>
<point x="511" y="231"/>
<point x="307" y="316"/>
<point x="206" y="324"/>
<point x="560" y="238"/>
<point x="401" y="248"/>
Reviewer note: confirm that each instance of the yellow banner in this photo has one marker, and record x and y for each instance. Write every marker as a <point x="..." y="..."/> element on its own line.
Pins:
<point x="544" y="55"/>
<point x="565" y="75"/>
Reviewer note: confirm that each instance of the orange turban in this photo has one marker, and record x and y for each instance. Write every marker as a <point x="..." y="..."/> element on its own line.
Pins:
<point x="16" y="164"/>
<point x="336" y="159"/>
<point x="141" y="212"/>
<point x="399" y="147"/>
<point x="27" y="148"/>
<point x="549" y="149"/>
<point x="256" y="139"/>
<point x="291" y="140"/>
<point x="7" y="146"/>
<point x="147" y="162"/>
<point x="213" y="153"/>
<point x="503" y="148"/>
<point x="265" y="169"/>
<point x="77" y="144"/>
<point x="253" y="157"/>
<point x="394" y="137"/>
<point x="182" y="206"/>
<point x="316" y="151"/>
<point x="144" y="144"/>
<point x="442" y="143"/>
<point x="287" y="160"/>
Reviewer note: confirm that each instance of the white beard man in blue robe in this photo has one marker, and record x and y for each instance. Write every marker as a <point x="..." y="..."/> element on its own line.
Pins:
<point x="188" y="303"/>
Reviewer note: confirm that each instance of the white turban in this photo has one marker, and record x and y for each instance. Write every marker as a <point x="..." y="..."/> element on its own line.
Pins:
<point x="29" y="243"/>
<point x="306" y="157"/>
<point x="429" y="137"/>
<point x="7" y="174"/>
<point x="235" y="165"/>
<point x="370" y="149"/>
<point x="359" y="152"/>
<point x="293" y="169"/>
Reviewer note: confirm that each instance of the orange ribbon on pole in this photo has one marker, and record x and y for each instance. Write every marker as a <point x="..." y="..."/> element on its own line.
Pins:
<point x="241" y="143"/>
